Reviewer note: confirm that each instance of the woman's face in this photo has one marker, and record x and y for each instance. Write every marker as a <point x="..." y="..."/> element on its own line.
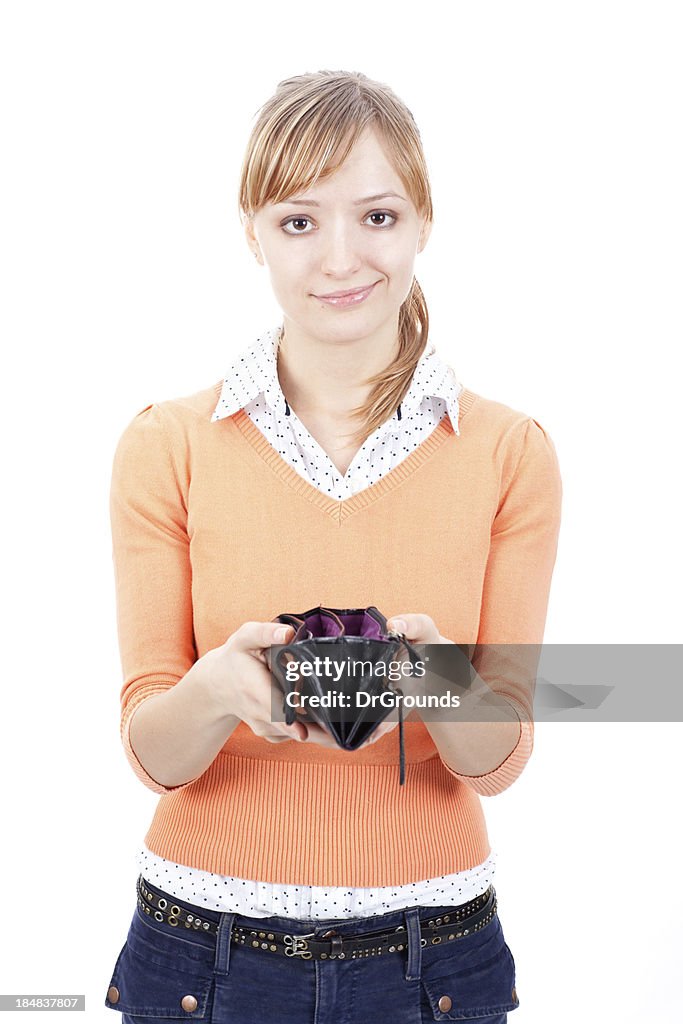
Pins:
<point x="328" y="241"/>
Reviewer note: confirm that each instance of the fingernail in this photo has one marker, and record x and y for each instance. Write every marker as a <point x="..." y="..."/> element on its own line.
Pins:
<point x="398" y="625"/>
<point x="281" y="635"/>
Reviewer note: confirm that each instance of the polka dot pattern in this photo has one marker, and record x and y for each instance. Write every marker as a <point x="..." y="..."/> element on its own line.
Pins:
<point x="252" y="384"/>
<point x="266" y="899"/>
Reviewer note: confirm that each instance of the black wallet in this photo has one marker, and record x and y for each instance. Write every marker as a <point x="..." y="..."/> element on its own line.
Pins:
<point x="351" y="637"/>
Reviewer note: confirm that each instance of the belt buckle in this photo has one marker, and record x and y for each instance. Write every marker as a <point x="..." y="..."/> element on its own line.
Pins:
<point x="297" y="945"/>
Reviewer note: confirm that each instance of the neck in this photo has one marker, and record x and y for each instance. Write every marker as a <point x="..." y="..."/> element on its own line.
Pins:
<point x="328" y="377"/>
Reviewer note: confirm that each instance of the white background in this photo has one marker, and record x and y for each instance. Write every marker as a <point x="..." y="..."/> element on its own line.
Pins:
<point x="553" y="277"/>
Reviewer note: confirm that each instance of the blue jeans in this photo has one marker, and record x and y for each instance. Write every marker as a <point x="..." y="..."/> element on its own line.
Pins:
<point x="161" y="964"/>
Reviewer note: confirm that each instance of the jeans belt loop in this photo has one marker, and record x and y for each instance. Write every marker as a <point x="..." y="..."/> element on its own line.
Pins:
<point x="414" y="965"/>
<point x="222" y="958"/>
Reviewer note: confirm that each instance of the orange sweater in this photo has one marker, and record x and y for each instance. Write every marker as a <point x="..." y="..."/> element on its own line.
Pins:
<point x="211" y="528"/>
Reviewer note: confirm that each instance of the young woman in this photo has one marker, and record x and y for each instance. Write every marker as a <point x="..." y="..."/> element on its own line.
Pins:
<point x="338" y="463"/>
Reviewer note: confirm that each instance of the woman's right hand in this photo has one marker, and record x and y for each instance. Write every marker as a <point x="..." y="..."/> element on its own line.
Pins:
<point x="241" y="679"/>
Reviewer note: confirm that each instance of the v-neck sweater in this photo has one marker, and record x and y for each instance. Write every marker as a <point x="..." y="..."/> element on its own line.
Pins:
<point x="211" y="528"/>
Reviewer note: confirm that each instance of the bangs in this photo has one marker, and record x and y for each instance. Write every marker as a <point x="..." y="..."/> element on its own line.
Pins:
<point x="304" y="135"/>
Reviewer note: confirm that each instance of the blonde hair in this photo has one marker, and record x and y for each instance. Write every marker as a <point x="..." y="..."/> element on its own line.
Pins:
<point x="302" y="134"/>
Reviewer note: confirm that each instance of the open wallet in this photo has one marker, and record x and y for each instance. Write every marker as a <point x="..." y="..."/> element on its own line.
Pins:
<point x="348" y="636"/>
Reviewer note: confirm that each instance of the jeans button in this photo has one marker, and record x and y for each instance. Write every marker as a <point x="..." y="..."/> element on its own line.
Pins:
<point x="188" y="1003"/>
<point x="113" y="994"/>
<point x="445" y="1004"/>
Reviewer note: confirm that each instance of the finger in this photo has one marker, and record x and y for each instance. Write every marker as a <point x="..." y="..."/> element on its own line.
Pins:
<point x="316" y="734"/>
<point x="296" y="731"/>
<point x="420" y="629"/>
<point x="381" y="731"/>
<point x="256" y="637"/>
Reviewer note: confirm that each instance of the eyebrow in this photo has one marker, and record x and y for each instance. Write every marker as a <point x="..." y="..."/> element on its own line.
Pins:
<point x="357" y="202"/>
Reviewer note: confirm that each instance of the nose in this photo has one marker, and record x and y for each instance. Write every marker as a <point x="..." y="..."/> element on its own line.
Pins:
<point x="341" y="256"/>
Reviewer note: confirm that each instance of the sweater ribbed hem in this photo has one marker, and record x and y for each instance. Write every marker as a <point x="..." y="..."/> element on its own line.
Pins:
<point x="161" y="684"/>
<point x="506" y="773"/>
<point x="318" y="824"/>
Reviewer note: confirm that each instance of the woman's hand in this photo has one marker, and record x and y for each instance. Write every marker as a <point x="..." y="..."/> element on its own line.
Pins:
<point x="417" y="629"/>
<point x="241" y="680"/>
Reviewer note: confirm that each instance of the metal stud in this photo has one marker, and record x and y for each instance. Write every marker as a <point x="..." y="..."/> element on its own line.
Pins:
<point x="162" y="904"/>
<point x="158" y="916"/>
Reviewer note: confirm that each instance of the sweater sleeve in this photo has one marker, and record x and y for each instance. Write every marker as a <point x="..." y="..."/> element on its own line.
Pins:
<point x="522" y="553"/>
<point x="152" y="572"/>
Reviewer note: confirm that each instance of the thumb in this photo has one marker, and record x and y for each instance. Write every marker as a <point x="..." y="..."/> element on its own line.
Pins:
<point x="398" y="625"/>
<point x="282" y="634"/>
<point x="257" y="637"/>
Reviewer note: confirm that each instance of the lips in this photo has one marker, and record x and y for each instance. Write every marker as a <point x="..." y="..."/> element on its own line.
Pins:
<point x="343" y="295"/>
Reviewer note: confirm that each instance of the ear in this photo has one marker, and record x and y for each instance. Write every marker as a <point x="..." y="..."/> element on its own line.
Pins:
<point x="252" y="241"/>
<point x="424" y="235"/>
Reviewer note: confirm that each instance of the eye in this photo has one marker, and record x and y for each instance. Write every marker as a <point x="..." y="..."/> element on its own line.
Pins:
<point x="306" y="220"/>
<point x="384" y="213"/>
<point x="295" y="220"/>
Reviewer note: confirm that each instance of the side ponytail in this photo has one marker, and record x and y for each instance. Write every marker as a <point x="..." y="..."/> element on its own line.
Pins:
<point x="392" y="384"/>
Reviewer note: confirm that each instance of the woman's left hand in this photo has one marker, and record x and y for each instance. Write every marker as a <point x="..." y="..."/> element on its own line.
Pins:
<point x="417" y="629"/>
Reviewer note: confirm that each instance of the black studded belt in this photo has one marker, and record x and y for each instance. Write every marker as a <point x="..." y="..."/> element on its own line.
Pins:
<point x="460" y="921"/>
